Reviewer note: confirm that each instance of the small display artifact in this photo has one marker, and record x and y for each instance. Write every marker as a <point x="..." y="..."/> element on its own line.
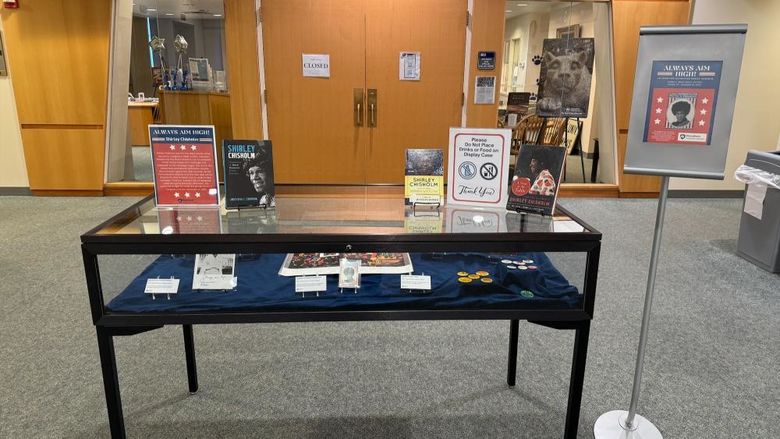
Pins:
<point x="306" y="264"/>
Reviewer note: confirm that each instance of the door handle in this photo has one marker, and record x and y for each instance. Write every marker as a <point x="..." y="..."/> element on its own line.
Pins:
<point x="372" y="107"/>
<point x="357" y="106"/>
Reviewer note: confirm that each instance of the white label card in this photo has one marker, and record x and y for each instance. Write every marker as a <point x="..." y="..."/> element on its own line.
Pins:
<point x="754" y="200"/>
<point x="415" y="282"/>
<point x="162" y="286"/>
<point x="310" y="284"/>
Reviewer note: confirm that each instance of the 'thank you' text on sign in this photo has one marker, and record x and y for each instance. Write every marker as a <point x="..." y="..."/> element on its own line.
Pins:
<point x="478" y="166"/>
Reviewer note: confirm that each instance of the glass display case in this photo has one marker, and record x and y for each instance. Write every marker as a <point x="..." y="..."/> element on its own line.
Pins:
<point x="333" y="258"/>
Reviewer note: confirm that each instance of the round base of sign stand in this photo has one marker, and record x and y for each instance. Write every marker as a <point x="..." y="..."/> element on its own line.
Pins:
<point x="612" y="425"/>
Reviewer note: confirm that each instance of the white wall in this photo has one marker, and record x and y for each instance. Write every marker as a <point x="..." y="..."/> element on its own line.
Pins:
<point x="756" y="118"/>
<point x="13" y="171"/>
<point x="531" y="29"/>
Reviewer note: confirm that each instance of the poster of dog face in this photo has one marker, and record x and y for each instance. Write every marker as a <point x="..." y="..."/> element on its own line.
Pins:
<point x="564" y="82"/>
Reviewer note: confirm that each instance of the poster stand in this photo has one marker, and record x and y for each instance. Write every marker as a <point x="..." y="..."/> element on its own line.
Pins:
<point x="702" y="72"/>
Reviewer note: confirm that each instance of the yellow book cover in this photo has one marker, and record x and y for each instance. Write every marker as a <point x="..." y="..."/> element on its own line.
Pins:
<point x="424" y="181"/>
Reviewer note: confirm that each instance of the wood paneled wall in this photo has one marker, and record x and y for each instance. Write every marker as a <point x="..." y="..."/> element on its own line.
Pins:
<point x="487" y="34"/>
<point x="58" y="56"/>
<point x="242" y="57"/>
<point x="628" y="16"/>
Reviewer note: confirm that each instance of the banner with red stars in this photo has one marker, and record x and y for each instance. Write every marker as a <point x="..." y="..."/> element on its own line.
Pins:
<point x="184" y="162"/>
<point x="682" y="102"/>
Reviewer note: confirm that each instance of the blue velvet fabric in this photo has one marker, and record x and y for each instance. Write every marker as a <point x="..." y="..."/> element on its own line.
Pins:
<point x="260" y="288"/>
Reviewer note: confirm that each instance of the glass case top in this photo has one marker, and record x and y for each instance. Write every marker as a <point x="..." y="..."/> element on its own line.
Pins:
<point x="328" y="215"/>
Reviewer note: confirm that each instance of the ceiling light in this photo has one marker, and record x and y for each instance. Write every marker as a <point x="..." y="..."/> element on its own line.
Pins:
<point x="151" y="10"/>
<point x="168" y="13"/>
<point x="217" y="15"/>
<point x="508" y="10"/>
<point x="522" y="4"/>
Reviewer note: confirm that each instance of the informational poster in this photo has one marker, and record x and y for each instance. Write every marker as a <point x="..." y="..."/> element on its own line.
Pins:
<point x="682" y="101"/>
<point x="478" y="166"/>
<point x="409" y="66"/>
<point x="316" y="65"/>
<point x="485" y="90"/>
<point x="486" y="60"/>
<point x="685" y="85"/>
<point x="184" y="163"/>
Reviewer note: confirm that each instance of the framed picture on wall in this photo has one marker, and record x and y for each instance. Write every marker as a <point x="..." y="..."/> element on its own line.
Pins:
<point x="568" y="32"/>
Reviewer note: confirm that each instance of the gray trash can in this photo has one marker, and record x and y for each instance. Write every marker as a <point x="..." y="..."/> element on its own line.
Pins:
<point x="759" y="239"/>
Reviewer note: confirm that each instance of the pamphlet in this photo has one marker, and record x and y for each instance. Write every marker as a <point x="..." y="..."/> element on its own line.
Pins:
<point x="184" y="165"/>
<point x="349" y="273"/>
<point x="424" y="181"/>
<point x="537" y="178"/>
<point x="306" y="264"/>
<point x="249" y="174"/>
<point x="214" y="272"/>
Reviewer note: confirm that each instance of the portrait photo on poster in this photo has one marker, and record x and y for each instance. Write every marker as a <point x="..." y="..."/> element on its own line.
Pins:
<point x="249" y="174"/>
<point x="565" y="77"/>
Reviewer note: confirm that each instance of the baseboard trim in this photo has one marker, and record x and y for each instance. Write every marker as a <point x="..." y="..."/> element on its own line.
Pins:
<point x="684" y="193"/>
<point x="589" y="190"/>
<point x="67" y="193"/>
<point x="15" y="191"/>
<point x="128" y="188"/>
<point x="639" y="195"/>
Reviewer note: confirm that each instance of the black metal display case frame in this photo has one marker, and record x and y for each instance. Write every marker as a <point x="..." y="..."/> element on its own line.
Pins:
<point x="112" y="324"/>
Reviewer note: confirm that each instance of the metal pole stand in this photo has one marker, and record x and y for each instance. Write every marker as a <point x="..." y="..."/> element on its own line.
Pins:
<point x="628" y="424"/>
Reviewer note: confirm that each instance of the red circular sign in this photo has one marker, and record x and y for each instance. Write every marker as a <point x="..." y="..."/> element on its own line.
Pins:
<point x="521" y="186"/>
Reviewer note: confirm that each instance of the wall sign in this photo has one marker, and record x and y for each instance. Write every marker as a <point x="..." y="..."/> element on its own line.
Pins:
<point x="409" y="66"/>
<point x="485" y="90"/>
<point x="316" y="65"/>
<point x="683" y="104"/>
<point x="486" y="60"/>
<point x="478" y="166"/>
<point x="184" y="163"/>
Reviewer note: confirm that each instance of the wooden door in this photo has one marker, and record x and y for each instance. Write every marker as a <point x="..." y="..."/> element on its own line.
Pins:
<point x="311" y="120"/>
<point x="412" y="114"/>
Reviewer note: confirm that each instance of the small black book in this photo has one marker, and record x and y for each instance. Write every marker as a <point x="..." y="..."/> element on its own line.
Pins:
<point x="537" y="178"/>
<point x="249" y="174"/>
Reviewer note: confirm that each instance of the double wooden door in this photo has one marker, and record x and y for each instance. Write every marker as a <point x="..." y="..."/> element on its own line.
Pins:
<point x="322" y="130"/>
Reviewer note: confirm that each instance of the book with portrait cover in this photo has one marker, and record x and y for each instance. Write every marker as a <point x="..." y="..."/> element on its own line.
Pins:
<point x="424" y="181"/>
<point x="249" y="174"/>
<point x="537" y="178"/>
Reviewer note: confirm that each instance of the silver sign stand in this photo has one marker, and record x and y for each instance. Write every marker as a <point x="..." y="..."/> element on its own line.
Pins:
<point x="673" y="44"/>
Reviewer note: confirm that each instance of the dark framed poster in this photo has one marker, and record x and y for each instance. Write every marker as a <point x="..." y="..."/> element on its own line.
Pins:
<point x="683" y="102"/>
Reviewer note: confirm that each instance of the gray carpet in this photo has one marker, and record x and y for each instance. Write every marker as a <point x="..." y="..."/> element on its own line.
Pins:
<point x="711" y="370"/>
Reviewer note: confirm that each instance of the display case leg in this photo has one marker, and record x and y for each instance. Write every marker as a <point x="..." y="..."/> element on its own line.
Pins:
<point x="577" y="377"/>
<point x="189" y="351"/>
<point x="116" y="420"/>
<point x="511" y="369"/>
